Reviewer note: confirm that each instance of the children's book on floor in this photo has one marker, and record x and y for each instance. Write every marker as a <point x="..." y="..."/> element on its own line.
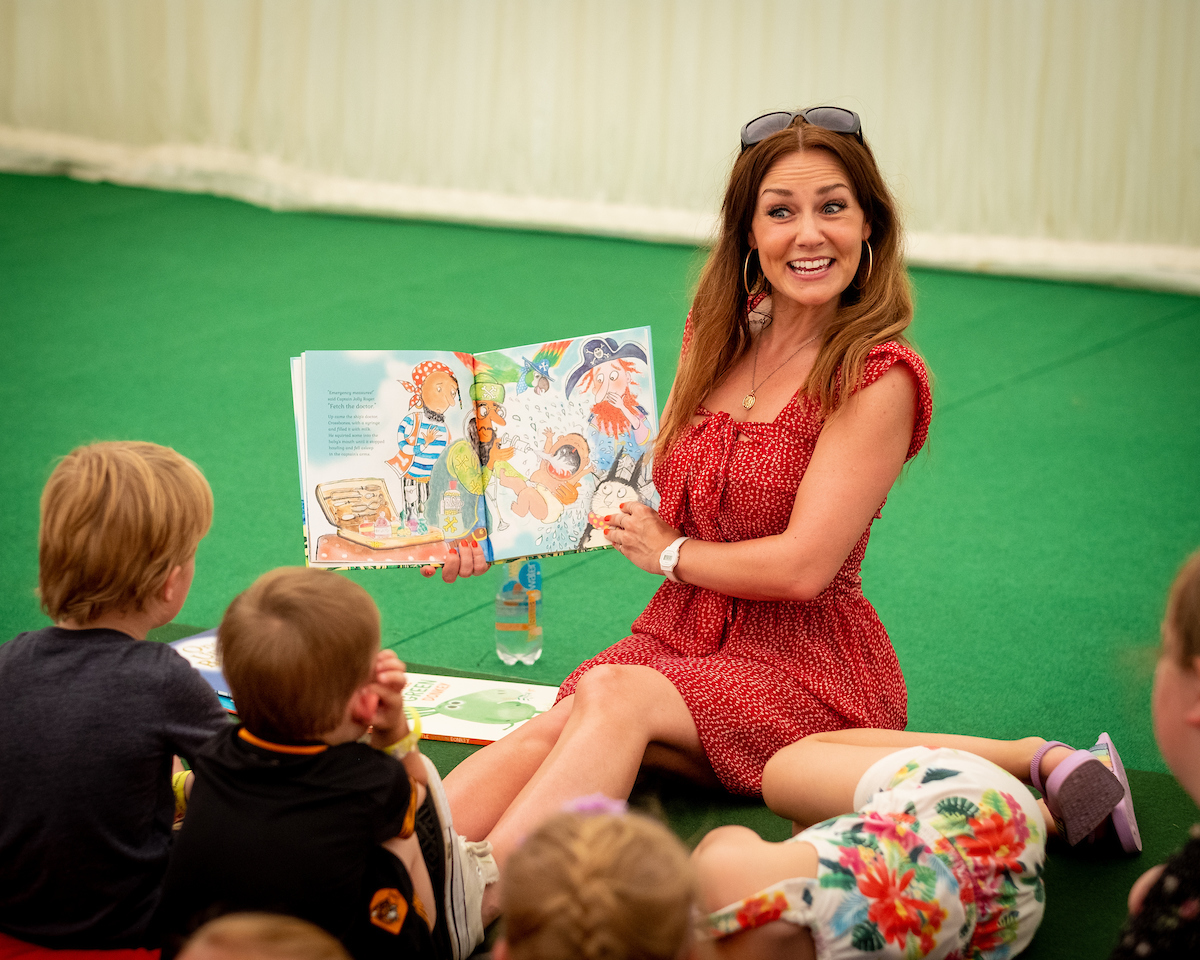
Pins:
<point x="457" y="709"/>
<point x="404" y="454"/>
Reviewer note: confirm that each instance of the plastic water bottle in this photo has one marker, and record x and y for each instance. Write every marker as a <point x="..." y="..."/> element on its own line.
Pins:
<point x="519" y="613"/>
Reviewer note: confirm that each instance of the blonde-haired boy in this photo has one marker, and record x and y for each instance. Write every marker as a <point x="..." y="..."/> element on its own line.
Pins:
<point x="92" y="718"/>
<point x="293" y="813"/>
<point x="262" y="936"/>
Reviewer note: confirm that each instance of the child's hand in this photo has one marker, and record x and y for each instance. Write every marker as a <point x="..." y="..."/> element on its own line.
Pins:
<point x="389" y="723"/>
<point x="1141" y="887"/>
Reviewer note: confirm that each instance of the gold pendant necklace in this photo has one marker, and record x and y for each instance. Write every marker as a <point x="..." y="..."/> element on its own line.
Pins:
<point x="748" y="399"/>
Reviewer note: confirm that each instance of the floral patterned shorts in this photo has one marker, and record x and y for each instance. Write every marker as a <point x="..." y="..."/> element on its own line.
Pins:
<point x="943" y="859"/>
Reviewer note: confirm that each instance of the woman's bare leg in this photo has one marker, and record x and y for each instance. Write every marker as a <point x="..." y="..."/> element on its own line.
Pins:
<point x="484" y="785"/>
<point x="618" y="711"/>
<point x="815" y="778"/>
<point x="733" y="863"/>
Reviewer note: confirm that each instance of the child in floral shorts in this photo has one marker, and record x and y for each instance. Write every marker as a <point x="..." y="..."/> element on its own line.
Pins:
<point x="942" y="856"/>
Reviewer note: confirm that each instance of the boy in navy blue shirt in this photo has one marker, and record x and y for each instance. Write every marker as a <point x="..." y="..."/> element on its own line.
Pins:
<point x="92" y="716"/>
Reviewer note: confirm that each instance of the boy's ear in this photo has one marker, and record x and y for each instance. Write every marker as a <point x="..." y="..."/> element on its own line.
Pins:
<point x="1192" y="714"/>
<point x="363" y="705"/>
<point x="174" y="583"/>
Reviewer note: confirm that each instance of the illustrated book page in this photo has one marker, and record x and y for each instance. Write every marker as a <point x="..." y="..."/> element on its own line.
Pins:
<point x="572" y="426"/>
<point x="388" y="475"/>
<point x="405" y="454"/>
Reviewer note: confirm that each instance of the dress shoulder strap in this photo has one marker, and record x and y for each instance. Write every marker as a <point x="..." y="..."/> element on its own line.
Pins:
<point x="879" y="361"/>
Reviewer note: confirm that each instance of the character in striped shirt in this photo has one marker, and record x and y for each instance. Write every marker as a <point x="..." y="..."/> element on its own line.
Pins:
<point x="422" y="435"/>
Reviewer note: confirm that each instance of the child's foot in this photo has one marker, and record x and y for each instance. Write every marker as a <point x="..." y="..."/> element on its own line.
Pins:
<point x="1080" y="791"/>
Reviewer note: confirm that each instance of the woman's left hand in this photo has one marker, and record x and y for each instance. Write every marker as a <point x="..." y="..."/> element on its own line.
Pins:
<point x="641" y="535"/>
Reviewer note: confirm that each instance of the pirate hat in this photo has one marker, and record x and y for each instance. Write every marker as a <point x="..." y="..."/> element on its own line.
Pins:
<point x="602" y="350"/>
<point x="486" y="388"/>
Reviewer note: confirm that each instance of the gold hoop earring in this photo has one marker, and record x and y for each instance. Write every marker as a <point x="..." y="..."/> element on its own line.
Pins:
<point x="761" y="285"/>
<point x="870" y="263"/>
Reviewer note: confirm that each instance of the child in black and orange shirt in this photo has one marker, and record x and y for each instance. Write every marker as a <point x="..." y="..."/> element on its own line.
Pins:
<point x="292" y="813"/>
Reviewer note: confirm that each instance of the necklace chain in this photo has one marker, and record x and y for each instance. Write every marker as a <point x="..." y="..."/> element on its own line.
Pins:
<point x="749" y="399"/>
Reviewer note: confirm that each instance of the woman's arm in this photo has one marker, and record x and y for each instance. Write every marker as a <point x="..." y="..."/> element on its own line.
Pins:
<point x="857" y="458"/>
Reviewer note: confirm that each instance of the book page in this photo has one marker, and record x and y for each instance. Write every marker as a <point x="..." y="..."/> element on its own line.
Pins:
<point x="570" y="428"/>
<point x="391" y="477"/>
<point x="468" y="710"/>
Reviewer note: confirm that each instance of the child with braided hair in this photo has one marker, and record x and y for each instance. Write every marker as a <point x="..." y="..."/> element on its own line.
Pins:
<point x="597" y="886"/>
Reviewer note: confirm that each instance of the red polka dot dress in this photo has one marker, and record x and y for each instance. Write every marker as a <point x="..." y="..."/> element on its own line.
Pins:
<point x="760" y="674"/>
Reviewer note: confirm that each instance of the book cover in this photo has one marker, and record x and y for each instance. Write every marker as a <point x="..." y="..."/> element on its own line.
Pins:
<point x="200" y="650"/>
<point x="405" y="454"/>
<point x="456" y="709"/>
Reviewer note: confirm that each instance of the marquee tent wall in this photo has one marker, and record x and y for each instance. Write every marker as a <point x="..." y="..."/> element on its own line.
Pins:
<point x="1059" y="137"/>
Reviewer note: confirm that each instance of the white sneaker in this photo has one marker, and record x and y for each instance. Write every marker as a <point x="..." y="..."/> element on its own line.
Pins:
<point x="469" y="868"/>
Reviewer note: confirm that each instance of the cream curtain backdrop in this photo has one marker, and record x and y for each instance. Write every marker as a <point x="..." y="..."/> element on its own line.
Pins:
<point x="1056" y="137"/>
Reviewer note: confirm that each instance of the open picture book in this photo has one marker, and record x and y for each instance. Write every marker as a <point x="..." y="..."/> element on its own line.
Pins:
<point x="404" y="454"/>
<point x="457" y="709"/>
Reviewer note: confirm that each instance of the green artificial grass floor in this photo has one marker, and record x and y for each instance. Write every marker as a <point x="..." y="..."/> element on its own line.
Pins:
<point x="1020" y="565"/>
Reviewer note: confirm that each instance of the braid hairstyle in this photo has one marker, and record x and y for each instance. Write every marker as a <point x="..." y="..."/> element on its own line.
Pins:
<point x="598" y="887"/>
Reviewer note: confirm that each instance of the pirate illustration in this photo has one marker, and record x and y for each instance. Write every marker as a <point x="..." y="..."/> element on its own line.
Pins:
<point x="422" y="435"/>
<point x="607" y="374"/>
<point x="488" y="397"/>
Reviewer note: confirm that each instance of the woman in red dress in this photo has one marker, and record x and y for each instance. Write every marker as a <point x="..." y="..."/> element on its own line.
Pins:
<point x="796" y="403"/>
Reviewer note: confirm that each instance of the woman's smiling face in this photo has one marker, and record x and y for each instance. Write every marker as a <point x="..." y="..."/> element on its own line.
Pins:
<point x="808" y="229"/>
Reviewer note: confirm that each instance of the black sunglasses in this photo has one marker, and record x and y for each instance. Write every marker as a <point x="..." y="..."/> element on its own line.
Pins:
<point x="836" y="119"/>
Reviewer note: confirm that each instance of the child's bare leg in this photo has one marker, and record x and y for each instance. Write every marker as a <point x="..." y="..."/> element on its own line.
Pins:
<point x="815" y="778"/>
<point x="408" y="851"/>
<point x="733" y="863"/>
<point x="484" y="785"/>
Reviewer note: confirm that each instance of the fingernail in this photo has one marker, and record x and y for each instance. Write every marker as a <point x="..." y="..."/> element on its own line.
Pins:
<point x="427" y="571"/>
<point x="608" y="519"/>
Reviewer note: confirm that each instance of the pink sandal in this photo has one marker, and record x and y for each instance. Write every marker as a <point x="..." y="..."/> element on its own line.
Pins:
<point x="1081" y="792"/>
<point x="1123" y="820"/>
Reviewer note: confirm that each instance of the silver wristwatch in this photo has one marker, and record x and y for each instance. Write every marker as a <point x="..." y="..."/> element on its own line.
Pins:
<point x="668" y="558"/>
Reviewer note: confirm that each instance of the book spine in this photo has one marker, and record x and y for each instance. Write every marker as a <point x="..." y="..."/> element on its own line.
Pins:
<point x="445" y="739"/>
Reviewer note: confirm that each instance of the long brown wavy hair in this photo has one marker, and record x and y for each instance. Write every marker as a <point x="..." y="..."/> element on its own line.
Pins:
<point x="873" y="309"/>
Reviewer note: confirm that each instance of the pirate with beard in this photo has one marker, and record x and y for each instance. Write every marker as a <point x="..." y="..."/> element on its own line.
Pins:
<point x="617" y="420"/>
<point x="422" y="435"/>
<point x="487" y="395"/>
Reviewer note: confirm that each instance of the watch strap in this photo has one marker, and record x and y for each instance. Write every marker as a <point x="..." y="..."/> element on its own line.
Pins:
<point x="673" y="548"/>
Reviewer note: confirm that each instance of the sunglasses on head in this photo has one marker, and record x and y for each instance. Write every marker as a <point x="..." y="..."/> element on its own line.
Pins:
<point x="836" y="119"/>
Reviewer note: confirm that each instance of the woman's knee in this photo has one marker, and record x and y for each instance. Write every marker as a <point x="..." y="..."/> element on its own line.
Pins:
<point x="610" y="685"/>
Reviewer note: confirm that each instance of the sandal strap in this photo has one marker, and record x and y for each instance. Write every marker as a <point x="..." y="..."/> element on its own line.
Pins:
<point x="1035" y="765"/>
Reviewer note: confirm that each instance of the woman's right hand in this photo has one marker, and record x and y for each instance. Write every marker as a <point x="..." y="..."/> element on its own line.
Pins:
<point x="466" y="560"/>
